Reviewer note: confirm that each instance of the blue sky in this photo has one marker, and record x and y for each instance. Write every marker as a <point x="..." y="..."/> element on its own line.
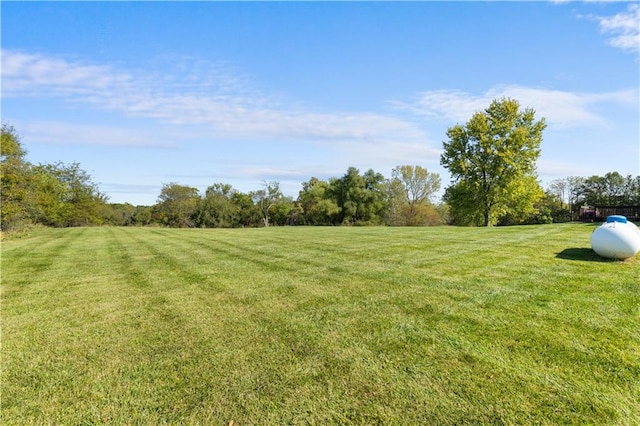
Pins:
<point x="147" y="93"/>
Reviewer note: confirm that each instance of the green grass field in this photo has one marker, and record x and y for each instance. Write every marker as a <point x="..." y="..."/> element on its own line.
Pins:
<point x="517" y="325"/>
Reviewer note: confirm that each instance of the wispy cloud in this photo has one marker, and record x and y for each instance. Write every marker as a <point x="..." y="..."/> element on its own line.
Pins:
<point x="203" y="96"/>
<point x="65" y="133"/>
<point x="560" y="108"/>
<point x="26" y="74"/>
<point x="623" y="28"/>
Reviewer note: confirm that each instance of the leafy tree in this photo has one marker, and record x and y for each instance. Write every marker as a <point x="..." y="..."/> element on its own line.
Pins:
<point x="266" y="198"/>
<point x="362" y="198"/>
<point x="560" y="188"/>
<point x="46" y="202"/>
<point x="523" y="197"/>
<point x="556" y="204"/>
<point x="295" y="216"/>
<point x="424" y="215"/>
<point x="615" y="188"/>
<point x="317" y="203"/>
<point x="604" y="190"/>
<point x="415" y="186"/>
<point x="633" y="189"/>
<point x="418" y="183"/>
<point x="521" y="210"/>
<point x="55" y="194"/>
<point x="121" y="214"/>
<point x="492" y="155"/>
<point x="283" y="212"/>
<point x="143" y="215"/>
<point x="79" y="200"/>
<point x="176" y="205"/>
<point x="556" y="207"/>
<point x="217" y="209"/>
<point x="11" y="145"/>
<point x="462" y="200"/>
<point x="395" y="215"/>
<point x="594" y="191"/>
<point x="376" y="194"/>
<point x="15" y="175"/>
<point x="575" y="187"/>
<point x="249" y="214"/>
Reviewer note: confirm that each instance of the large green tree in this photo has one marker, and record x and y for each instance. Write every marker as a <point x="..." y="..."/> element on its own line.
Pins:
<point x="492" y="160"/>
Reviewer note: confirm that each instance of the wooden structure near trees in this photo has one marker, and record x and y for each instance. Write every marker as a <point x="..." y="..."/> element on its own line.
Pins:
<point x="600" y="213"/>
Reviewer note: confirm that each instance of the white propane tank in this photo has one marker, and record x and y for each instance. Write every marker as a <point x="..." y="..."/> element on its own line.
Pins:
<point x="617" y="238"/>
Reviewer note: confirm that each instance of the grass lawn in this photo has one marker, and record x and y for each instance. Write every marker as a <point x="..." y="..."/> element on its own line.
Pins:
<point x="516" y="325"/>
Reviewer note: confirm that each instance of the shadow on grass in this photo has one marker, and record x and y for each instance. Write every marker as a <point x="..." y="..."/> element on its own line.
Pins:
<point x="586" y="254"/>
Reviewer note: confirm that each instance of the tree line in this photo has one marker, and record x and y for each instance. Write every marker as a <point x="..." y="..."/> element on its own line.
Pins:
<point x="492" y="161"/>
<point x="362" y="199"/>
<point x="354" y="199"/>
<point x="613" y="189"/>
<point x="63" y="195"/>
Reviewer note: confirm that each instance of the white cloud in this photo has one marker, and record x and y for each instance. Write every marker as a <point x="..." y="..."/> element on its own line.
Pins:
<point x="64" y="133"/>
<point x="26" y="74"/>
<point x="559" y="108"/>
<point x="209" y="99"/>
<point x="624" y="29"/>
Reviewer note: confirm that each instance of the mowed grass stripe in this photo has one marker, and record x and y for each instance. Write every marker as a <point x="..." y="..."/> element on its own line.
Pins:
<point x="141" y="341"/>
<point x="239" y="345"/>
<point x="323" y="325"/>
<point x="43" y="326"/>
<point x="37" y="256"/>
